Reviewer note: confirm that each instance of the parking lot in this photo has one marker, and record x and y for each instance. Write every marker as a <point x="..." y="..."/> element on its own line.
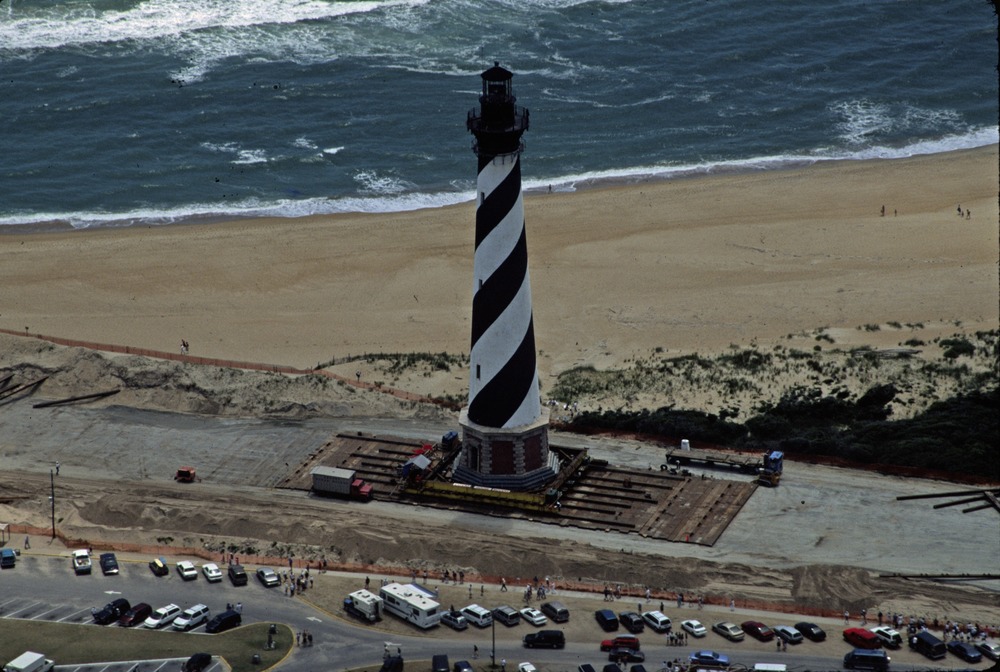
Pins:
<point x="36" y="610"/>
<point x="46" y="589"/>
<point x="159" y="665"/>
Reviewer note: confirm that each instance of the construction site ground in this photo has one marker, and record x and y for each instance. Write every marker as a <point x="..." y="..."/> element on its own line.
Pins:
<point x="820" y="539"/>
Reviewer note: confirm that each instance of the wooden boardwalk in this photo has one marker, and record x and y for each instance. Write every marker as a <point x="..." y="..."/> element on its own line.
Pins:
<point x="598" y="496"/>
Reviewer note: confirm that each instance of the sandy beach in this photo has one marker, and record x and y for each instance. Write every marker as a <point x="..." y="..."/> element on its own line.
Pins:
<point x="689" y="265"/>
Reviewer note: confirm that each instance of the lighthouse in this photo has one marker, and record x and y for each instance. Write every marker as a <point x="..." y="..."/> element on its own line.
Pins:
<point x="505" y="428"/>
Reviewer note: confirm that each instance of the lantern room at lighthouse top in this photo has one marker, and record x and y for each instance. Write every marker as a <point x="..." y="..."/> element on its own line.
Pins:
<point x="498" y="122"/>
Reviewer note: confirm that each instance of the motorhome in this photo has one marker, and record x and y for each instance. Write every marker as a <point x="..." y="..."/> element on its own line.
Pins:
<point x="364" y="605"/>
<point x="411" y="603"/>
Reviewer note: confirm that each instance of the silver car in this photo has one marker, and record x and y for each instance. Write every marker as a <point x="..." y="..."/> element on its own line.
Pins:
<point x="268" y="577"/>
<point x="788" y="633"/>
<point x="730" y="631"/>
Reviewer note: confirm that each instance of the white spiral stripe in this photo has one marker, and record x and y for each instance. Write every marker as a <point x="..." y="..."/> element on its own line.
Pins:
<point x="497" y="246"/>
<point x="493" y="174"/>
<point x="498" y="343"/>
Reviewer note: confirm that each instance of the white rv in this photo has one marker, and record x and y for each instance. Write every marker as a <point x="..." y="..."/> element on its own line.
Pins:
<point x="364" y="605"/>
<point x="411" y="603"/>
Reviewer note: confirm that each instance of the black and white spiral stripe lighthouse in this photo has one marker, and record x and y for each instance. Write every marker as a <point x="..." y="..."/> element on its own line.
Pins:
<point x="505" y="427"/>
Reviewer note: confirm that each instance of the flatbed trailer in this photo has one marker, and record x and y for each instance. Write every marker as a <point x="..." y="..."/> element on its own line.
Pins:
<point x="767" y="467"/>
<point x="745" y="464"/>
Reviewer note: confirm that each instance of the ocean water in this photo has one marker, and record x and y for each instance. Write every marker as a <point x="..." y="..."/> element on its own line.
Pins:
<point x="115" y="112"/>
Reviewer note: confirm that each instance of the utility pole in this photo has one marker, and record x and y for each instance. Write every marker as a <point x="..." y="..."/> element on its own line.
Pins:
<point x="493" y="650"/>
<point x="52" y="497"/>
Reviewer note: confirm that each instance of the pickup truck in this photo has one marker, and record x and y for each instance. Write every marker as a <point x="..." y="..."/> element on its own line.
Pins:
<point x="81" y="561"/>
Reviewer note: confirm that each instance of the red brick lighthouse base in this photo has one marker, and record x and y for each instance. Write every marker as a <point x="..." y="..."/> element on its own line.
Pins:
<point x="516" y="458"/>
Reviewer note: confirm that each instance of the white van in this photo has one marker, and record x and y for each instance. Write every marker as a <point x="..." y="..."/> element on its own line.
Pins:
<point x="656" y="621"/>
<point x="478" y="616"/>
<point x="191" y="617"/>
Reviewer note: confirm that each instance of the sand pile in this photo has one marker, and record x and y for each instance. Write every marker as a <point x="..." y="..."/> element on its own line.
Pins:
<point x="178" y="387"/>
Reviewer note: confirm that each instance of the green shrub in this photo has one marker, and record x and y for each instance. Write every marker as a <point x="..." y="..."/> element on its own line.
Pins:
<point x="956" y="347"/>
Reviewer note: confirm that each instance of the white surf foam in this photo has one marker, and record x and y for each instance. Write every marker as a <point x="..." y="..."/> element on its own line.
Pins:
<point x="975" y="138"/>
<point x="251" y="207"/>
<point x="29" y="26"/>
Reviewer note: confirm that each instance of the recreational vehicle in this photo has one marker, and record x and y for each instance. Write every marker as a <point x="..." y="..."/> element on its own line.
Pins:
<point x="411" y="603"/>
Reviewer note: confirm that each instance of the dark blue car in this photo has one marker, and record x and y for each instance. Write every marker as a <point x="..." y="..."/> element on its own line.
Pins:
<point x="965" y="651"/>
<point x="709" y="659"/>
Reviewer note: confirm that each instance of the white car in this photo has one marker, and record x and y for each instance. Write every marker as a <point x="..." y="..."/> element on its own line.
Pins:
<point x="533" y="616"/>
<point x="162" y="617"/>
<point x="191" y="617"/>
<point x="526" y="667"/>
<point x="212" y="572"/>
<point x="187" y="570"/>
<point x="693" y="628"/>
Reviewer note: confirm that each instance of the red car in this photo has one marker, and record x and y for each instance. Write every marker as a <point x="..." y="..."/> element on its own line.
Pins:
<point x="630" y="642"/>
<point x="757" y="630"/>
<point x="135" y="616"/>
<point x="862" y="639"/>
